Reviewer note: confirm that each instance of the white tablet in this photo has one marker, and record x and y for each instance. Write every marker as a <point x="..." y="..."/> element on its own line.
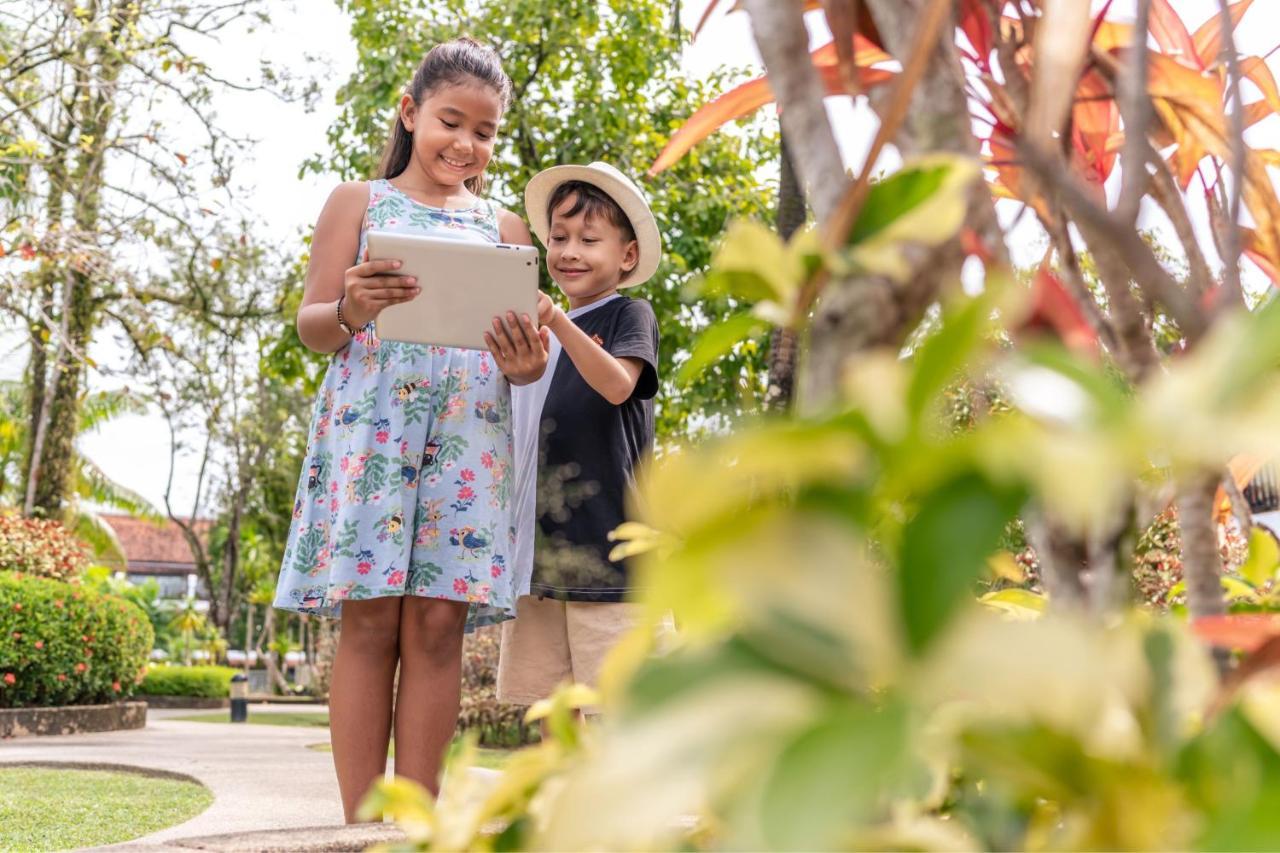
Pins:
<point x="464" y="286"/>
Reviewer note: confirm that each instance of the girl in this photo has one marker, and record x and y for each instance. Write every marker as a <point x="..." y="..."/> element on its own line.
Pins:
<point x="402" y="525"/>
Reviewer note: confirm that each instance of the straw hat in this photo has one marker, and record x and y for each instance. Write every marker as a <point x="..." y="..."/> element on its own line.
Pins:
<point x="621" y="189"/>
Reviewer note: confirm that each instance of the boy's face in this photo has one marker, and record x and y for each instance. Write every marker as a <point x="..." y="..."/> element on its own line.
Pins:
<point x="587" y="256"/>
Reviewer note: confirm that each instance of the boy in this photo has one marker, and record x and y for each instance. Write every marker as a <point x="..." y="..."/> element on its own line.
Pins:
<point x="582" y="428"/>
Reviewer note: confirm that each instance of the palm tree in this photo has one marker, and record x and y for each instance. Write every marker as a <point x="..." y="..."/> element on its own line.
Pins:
<point x="90" y="486"/>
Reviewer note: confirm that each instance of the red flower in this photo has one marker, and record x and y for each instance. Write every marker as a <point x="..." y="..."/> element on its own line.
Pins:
<point x="9" y="678"/>
<point x="61" y="677"/>
<point x="395" y="578"/>
<point x="364" y="567"/>
<point x="459" y="586"/>
<point x="17" y="606"/>
<point x="466" y="493"/>
<point x="495" y="570"/>
<point x="115" y="685"/>
<point x="39" y="644"/>
<point x="17" y="635"/>
<point x="467" y="475"/>
<point x="80" y="667"/>
<point x="486" y="459"/>
<point x="57" y="602"/>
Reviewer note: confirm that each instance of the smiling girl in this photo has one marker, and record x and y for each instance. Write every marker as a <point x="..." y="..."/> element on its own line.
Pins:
<point x="401" y="431"/>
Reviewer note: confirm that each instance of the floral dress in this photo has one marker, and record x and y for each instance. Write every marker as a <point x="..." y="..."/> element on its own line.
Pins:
<point x="406" y="485"/>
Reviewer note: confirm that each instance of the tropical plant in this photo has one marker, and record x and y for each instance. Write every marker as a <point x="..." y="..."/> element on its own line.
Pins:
<point x="836" y="686"/>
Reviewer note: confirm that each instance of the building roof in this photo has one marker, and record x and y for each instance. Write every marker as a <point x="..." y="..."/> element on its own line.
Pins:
<point x="158" y="549"/>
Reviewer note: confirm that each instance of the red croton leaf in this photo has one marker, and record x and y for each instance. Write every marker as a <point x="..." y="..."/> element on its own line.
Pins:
<point x="1244" y="631"/>
<point x="1054" y="310"/>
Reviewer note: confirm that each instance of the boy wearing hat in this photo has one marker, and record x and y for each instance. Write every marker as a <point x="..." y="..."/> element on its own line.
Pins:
<point x="581" y="429"/>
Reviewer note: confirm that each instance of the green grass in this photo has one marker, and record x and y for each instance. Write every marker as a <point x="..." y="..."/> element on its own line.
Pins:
<point x="318" y="719"/>
<point x="43" y="808"/>
<point x="493" y="759"/>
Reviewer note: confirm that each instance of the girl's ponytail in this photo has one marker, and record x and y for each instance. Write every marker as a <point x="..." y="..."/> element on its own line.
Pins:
<point x="461" y="60"/>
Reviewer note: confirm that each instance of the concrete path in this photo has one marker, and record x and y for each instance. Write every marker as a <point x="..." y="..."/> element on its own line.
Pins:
<point x="262" y="777"/>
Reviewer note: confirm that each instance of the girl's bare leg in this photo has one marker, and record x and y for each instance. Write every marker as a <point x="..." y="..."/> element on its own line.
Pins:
<point x="364" y="670"/>
<point x="430" y="690"/>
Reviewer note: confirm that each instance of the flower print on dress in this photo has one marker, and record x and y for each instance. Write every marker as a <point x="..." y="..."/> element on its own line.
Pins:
<point x="391" y="527"/>
<point x="430" y="515"/>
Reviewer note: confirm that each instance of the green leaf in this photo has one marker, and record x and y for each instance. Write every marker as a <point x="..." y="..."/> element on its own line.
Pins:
<point x="943" y="354"/>
<point x="945" y="548"/>
<point x="893" y="197"/>
<point x="829" y="780"/>
<point x="1264" y="557"/>
<point x="1232" y="777"/>
<point x="716" y="341"/>
<point x="1022" y="603"/>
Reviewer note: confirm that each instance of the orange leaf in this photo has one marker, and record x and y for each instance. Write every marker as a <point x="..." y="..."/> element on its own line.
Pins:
<point x="1245" y="631"/>
<point x="742" y="101"/>
<point x="1255" y="68"/>
<point x="1270" y="266"/>
<point x="1112" y="36"/>
<point x="1208" y="39"/>
<point x="1095" y="118"/>
<point x="1171" y="34"/>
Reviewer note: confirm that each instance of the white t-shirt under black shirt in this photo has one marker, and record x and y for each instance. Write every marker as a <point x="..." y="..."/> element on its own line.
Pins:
<point x="575" y="457"/>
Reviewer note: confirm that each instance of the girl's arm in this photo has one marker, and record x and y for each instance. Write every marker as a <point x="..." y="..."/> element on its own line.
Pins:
<point x="330" y="274"/>
<point x="612" y="378"/>
<point x="519" y="349"/>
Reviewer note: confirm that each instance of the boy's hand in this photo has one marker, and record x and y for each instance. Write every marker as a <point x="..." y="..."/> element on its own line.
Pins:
<point x="547" y="310"/>
<point x="519" y="349"/>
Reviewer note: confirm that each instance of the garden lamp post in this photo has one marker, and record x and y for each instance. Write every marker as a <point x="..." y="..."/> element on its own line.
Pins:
<point x="239" y="697"/>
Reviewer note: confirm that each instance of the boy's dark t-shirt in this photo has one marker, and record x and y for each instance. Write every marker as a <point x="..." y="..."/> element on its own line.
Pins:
<point x="588" y="450"/>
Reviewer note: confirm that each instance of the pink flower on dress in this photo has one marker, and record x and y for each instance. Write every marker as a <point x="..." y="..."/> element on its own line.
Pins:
<point x="364" y="567"/>
<point x="395" y="578"/>
<point x="382" y="436"/>
<point x="459" y="586"/>
<point x="466" y="493"/>
<point x="495" y="570"/>
<point x="467" y="475"/>
<point x="486" y="459"/>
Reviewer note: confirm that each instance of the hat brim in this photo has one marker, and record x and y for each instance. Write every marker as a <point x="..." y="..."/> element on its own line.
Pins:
<point x="648" y="239"/>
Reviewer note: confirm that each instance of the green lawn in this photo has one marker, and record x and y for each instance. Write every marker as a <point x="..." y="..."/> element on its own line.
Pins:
<point x="43" y="808"/>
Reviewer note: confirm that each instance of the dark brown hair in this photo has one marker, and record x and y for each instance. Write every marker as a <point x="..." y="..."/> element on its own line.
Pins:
<point x="459" y="61"/>
<point x="591" y="201"/>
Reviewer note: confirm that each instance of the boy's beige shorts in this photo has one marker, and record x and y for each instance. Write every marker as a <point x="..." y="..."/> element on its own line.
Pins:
<point x="551" y="642"/>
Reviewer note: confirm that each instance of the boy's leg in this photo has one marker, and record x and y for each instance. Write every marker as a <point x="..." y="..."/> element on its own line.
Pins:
<point x="594" y="628"/>
<point x="429" y="695"/>
<point x="360" y="696"/>
<point x="534" y="656"/>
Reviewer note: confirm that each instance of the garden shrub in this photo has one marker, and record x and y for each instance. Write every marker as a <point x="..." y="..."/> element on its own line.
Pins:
<point x="212" y="682"/>
<point x="496" y="724"/>
<point x="62" y="644"/>
<point x="39" y="547"/>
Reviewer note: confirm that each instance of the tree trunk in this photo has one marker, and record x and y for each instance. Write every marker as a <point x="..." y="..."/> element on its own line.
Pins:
<point x="248" y="635"/>
<point x="1201" y="563"/>
<point x="783" y="343"/>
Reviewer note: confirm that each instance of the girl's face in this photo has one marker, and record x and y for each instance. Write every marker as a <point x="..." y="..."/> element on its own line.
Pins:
<point x="453" y="131"/>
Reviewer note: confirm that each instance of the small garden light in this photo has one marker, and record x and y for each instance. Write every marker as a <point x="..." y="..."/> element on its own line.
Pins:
<point x="239" y="697"/>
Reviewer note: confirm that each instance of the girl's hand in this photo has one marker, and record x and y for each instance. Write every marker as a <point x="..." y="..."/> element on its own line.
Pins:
<point x="519" y="349"/>
<point x="547" y="310"/>
<point x="369" y="289"/>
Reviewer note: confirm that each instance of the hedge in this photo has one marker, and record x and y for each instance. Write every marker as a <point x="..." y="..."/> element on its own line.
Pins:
<point x="40" y="547"/>
<point x="62" y="644"/>
<point x="213" y="682"/>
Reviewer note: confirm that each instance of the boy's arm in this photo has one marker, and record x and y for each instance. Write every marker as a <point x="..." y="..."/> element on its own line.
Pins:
<point x="612" y="378"/>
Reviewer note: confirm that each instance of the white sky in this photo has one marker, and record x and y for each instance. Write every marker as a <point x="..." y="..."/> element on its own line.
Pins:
<point x="134" y="450"/>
